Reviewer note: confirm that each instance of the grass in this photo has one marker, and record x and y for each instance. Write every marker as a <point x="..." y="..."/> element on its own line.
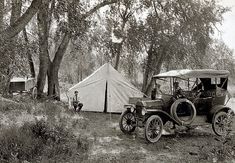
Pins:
<point x="48" y="138"/>
<point x="48" y="132"/>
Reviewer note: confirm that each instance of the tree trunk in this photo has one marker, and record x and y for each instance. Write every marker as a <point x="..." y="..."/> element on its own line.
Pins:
<point x="20" y="23"/>
<point x="118" y="49"/>
<point x="53" y="81"/>
<point x="30" y="59"/>
<point x="118" y="54"/>
<point x="15" y="14"/>
<point x="157" y="71"/>
<point x="1" y="15"/>
<point x="2" y="78"/>
<point x="147" y="68"/>
<point x="16" y="11"/>
<point x="157" y="68"/>
<point x="44" y="58"/>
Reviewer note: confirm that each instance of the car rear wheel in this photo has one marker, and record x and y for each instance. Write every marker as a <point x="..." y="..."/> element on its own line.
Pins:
<point x="127" y="122"/>
<point x="153" y="129"/>
<point x="221" y="124"/>
<point x="34" y="92"/>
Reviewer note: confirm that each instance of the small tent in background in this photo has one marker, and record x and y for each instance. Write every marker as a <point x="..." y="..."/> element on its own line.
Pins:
<point x="105" y="90"/>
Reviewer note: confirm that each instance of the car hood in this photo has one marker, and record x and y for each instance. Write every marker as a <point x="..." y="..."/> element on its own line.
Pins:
<point x="150" y="103"/>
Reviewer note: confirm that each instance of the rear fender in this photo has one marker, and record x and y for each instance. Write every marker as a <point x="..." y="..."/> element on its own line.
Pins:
<point x="217" y="109"/>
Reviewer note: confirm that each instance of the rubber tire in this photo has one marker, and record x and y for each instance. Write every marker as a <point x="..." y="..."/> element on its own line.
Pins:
<point x="216" y="115"/>
<point x="147" y="125"/>
<point x="174" y="113"/>
<point x="34" y="93"/>
<point x="121" y="122"/>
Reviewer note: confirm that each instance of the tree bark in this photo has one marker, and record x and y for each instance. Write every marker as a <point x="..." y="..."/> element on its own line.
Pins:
<point x="29" y="55"/>
<point x="20" y="23"/>
<point x="1" y="15"/>
<point x="147" y="68"/>
<point x="153" y="70"/>
<point x="125" y="16"/>
<point x="15" y="14"/>
<point x="157" y="70"/>
<point x="118" y="51"/>
<point x="44" y="58"/>
<point x="53" y="82"/>
<point x="16" y="11"/>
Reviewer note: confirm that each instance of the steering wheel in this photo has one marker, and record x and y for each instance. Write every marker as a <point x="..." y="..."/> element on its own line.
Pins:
<point x="198" y="93"/>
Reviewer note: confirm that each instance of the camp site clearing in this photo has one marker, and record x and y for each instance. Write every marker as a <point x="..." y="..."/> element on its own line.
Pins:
<point x="104" y="93"/>
<point x="106" y="143"/>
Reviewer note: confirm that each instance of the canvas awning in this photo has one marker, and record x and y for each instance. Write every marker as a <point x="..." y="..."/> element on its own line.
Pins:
<point x="201" y="73"/>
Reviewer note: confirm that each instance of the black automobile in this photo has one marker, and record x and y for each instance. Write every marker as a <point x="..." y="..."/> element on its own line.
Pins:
<point x="184" y="97"/>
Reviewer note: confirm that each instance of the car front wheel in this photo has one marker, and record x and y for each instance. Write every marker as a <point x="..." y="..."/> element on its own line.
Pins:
<point x="127" y="122"/>
<point x="221" y="124"/>
<point x="153" y="129"/>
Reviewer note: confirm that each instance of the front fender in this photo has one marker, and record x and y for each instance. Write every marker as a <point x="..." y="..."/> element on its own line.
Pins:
<point x="217" y="109"/>
<point x="129" y="107"/>
<point x="164" y="115"/>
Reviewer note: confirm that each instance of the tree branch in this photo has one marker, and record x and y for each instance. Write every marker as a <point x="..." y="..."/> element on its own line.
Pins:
<point x="98" y="6"/>
<point x="61" y="50"/>
<point x="20" y="23"/>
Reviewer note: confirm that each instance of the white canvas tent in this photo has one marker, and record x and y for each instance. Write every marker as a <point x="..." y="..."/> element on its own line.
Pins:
<point x="105" y="90"/>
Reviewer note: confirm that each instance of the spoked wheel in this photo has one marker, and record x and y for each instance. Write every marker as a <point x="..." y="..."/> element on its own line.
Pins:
<point x="221" y="124"/>
<point x="127" y="122"/>
<point x="153" y="129"/>
<point x="34" y="92"/>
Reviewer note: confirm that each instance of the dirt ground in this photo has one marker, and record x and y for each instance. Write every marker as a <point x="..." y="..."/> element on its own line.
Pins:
<point x="109" y="144"/>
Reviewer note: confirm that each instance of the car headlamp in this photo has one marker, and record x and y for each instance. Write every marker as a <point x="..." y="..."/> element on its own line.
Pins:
<point x="132" y="109"/>
<point x="143" y="111"/>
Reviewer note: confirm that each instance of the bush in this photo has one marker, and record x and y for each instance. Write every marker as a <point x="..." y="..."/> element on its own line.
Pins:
<point x="19" y="143"/>
<point x="40" y="140"/>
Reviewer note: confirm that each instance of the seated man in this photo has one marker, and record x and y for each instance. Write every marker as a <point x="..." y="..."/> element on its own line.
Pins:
<point x="178" y="92"/>
<point x="76" y="103"/>
<point x="156" y="92"/>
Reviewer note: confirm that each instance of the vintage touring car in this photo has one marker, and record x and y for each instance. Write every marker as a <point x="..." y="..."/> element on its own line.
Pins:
<point x="185" y="98"/>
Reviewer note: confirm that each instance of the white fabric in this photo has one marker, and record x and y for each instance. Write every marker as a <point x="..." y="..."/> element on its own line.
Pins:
<point x="92" y="90"/>
<point x="198" y="73"/>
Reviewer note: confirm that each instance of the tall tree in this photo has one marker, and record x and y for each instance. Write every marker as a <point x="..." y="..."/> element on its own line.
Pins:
<point x="124" y="10"/>
<point x="11" y="46"/>
<point x="71" y="28"/>
<point x="29" y="54"/>
<point x="43" y="35"/>
<point x="174" y="29"/>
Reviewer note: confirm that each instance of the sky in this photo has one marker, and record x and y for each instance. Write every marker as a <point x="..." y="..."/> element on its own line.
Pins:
<point x="227" y="28"/>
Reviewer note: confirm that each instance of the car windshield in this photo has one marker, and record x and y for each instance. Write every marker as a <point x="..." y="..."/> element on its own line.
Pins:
<point x="166" y="85"/>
